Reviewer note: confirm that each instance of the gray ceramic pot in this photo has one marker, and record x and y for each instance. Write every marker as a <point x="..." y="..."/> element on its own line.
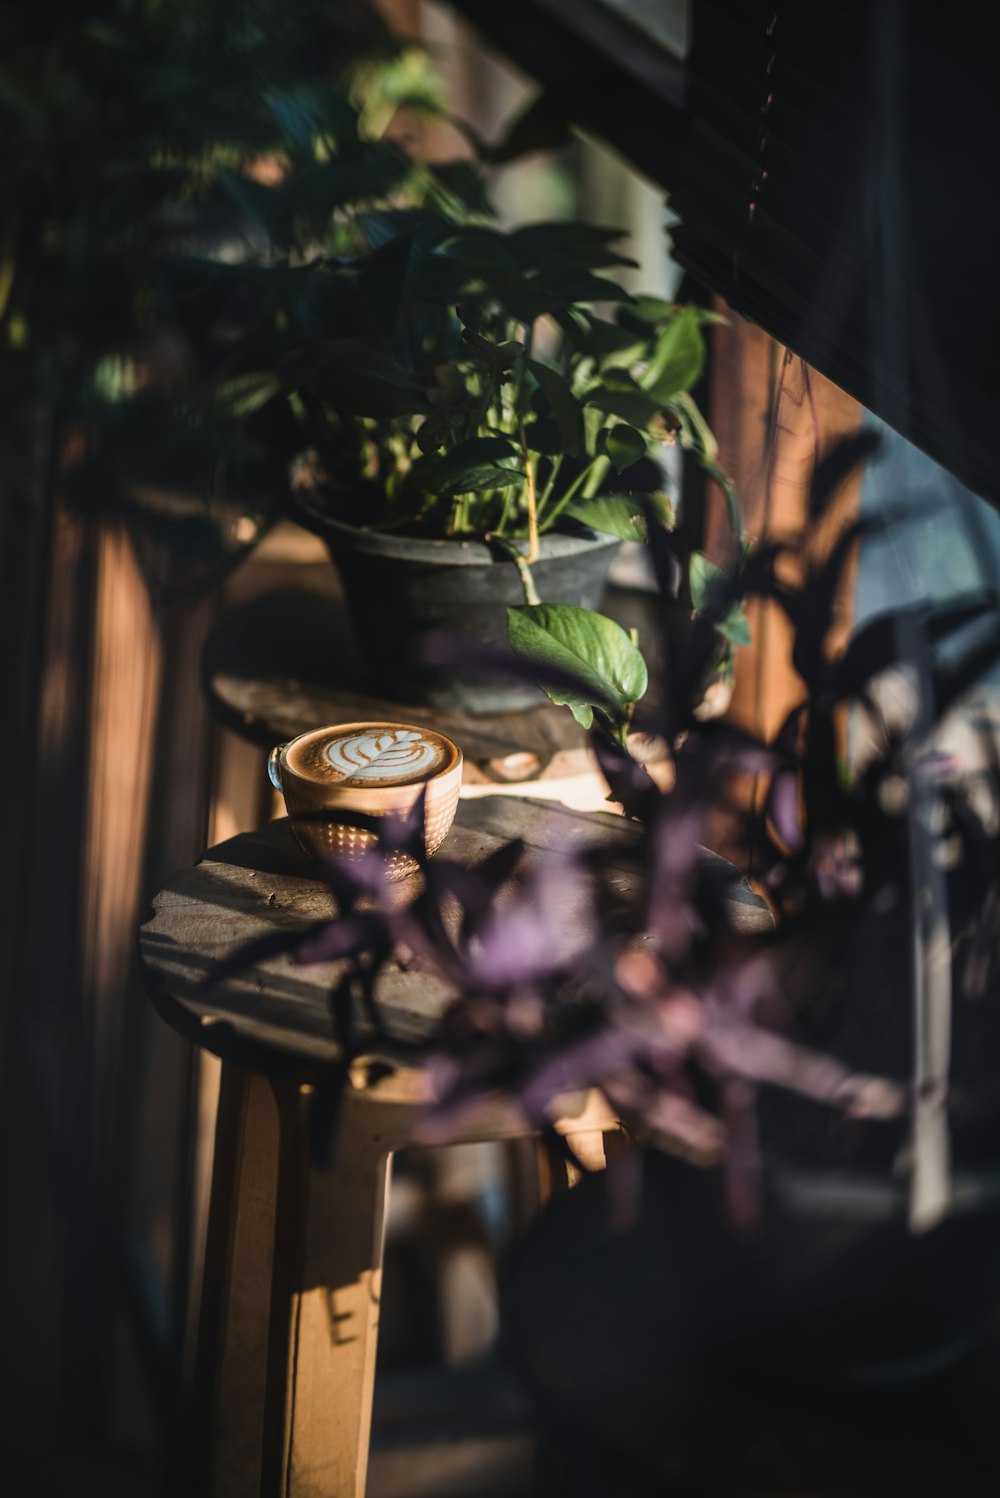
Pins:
<point x="400" y="588"/>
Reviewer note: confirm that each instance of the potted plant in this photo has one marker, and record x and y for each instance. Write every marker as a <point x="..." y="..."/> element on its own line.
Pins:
<point x="479" y="436"/>
<point x="842" y="1232"/>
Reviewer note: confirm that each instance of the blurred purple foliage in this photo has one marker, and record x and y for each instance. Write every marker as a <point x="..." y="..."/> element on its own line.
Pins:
<point x="655" y="991"/>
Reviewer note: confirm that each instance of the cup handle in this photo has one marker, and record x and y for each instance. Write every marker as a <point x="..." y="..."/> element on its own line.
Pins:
<point x="273" y="767"/>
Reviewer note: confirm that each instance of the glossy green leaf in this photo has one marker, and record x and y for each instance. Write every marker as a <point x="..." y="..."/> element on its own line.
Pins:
<point x="581" y="286"/>
<point x="609" y="344"/>
<point x="462" y="180"/>
<point x="707" y="590"/>
<point x="594" y="649"/>
<point x="562" y="403"/>
<point x="619" y="395"/>
<point x="735" y="627"/>
<point x="663" y="508"/>
<point x="706" y="580"/>
<point x="565" y="242"/>
<point x="542" y="436"/>
<point x="648" y="309"/>
<point x="360" y="378"/>
<point x="679" y="358"/>
<point x="476" y="464"/>
<point x="480" y="249"/>
<point x="624" y="446"/>
<point x="611" y="514"/>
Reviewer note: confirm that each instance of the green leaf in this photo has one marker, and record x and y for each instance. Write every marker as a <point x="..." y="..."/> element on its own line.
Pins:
<point x="563" y="243"/>
<point x="619" y="395"/>
<point x="648" y="309"/>
<point x="359" y="377"/>
<point x="307" y="110"/>
<point x="542" y="436"/>
<point x="480" y="249"/>
<point x="624" y="446"/>
<point x="594" y="649"/>
<point x="707" y="582"/>
<point x="663" y="508"/>
<point x="612" y="346"/>
<point x="706" y="579"/>
<point x="581" y="286"/>
<point x="562" y="403"/>
<point x="611" y="514"/>
<point x="554" y="293"/>
<point x="476" y="464"/>
<point x="735" y="627"/>
<point x="463" y="181"/>
<point x="679" y="358"/>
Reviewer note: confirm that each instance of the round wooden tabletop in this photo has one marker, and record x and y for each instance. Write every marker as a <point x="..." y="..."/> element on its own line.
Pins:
<point x="275" y="1015"/>
<point x="285" y="663"/>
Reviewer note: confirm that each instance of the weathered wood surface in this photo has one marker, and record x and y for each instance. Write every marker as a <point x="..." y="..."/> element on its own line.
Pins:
<point x="286" y="663"/>
<point x="262" y="881"/>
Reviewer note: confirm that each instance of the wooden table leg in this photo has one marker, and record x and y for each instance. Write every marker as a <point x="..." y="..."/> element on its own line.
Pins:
<point x="293" y="1283"/>
<point x="589" y="1145"/>
<point x="325" y="1304"/>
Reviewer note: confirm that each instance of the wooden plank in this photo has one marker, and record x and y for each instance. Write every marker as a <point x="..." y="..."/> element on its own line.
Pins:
<point x="285" y="663"/>
<point x="325" y="1306"/>
<point x="263" y="882"/>
<point x="774" y="417"/>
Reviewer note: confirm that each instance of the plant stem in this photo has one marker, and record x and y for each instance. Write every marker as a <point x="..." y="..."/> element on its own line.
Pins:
<point x="705" y="436"/>
<point x="523" y="570"/>
<point x="598" y="470"/>
<point x="500" y="528"/>
<point x="709" y="455"/>
<point x="568" y="495"/>
<point x="543" y="498"/>
<point x="530" y="495"/>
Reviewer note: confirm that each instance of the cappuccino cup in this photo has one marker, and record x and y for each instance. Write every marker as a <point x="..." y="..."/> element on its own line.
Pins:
<point x="377" y="769"/>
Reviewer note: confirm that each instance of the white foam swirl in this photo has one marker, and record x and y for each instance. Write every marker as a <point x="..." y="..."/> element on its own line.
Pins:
<point x="396" y="753"/>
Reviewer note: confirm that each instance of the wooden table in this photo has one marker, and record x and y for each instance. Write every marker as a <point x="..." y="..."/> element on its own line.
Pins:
<point x="290" y="1300"/>
<point x="286" y="662"/>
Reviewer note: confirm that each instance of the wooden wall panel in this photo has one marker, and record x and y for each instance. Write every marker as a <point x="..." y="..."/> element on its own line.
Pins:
<point x="773" y="417"/>
<point x="127" y="666"/>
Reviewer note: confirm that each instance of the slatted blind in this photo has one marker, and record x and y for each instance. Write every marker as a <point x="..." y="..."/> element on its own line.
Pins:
<point x="838" y="186"/>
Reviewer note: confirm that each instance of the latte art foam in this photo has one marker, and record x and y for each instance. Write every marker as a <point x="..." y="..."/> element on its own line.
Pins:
<point x="400" y="753"/>
<point x="377" y="754"/>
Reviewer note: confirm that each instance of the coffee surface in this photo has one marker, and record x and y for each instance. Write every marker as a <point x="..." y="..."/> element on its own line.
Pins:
<point x="373" y="754"/>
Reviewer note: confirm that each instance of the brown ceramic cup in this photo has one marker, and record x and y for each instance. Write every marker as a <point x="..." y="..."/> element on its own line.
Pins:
<point x="378" y="769"/>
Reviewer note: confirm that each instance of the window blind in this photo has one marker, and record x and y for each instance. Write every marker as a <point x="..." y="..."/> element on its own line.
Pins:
<point x="837" y="185"/>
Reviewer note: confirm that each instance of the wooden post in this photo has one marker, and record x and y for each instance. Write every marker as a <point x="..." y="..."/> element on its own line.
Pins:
<point x="235" y="1311"/>
<point x="325" y="1303"/>
<point x="773" y="417"/>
